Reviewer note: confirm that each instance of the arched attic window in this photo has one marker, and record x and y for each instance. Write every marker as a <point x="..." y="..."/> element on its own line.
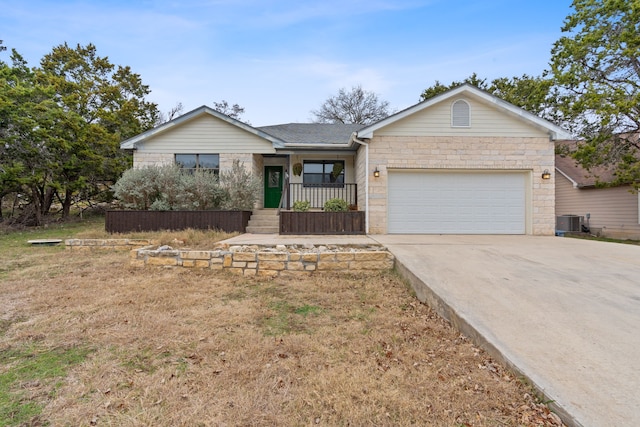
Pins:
<point x="460" y="114"/>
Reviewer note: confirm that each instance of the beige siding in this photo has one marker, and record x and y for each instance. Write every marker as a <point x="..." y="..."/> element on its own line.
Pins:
<point x="531" y="155"/>
<point x="614" y="211"/>
<point x="206" y="134"/>
<point x="485" y="121"/>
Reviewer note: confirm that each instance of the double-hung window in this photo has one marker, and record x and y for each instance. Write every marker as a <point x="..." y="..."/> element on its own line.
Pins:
<point x="192" y="162"/>
<point x="323" y="173"/>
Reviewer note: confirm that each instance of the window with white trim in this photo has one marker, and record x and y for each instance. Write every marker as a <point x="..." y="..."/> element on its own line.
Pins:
<point x="192" y="162"/>
<point x="460" y="114"/>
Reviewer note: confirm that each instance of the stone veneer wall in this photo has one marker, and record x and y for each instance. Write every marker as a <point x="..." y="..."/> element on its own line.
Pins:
<point x="465" y="153"/>
<point x="270" y="261"/>
<point x="142" y="159"/>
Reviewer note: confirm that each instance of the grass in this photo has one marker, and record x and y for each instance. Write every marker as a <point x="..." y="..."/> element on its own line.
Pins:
<point x="174" y="347"/>
<point x="32" y="368"/>
<point x="602" y="239"/>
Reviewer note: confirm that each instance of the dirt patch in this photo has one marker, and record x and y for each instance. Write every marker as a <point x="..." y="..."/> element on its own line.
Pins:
<point x="197" y="347"/>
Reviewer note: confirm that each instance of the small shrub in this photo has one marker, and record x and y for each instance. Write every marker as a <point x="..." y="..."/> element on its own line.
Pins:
<point x="241" y="187"/>
<point x="301" y="206"/>
<point x="336" y="205"/>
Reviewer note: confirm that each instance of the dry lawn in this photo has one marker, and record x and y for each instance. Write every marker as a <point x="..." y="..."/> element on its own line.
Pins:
<point x="173" y="347"/>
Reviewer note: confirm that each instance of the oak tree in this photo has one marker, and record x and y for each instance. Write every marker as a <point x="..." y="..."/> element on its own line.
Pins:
<point x="356" y="106"/>
<point x="596" y="65"/>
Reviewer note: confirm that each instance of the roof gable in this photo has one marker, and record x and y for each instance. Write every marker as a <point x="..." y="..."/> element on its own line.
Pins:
<point x="472" y="92"/>
<point x="200" y="112"/>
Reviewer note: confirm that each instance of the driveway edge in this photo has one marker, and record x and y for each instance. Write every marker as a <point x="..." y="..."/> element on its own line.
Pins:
<point x="426" y="295"/>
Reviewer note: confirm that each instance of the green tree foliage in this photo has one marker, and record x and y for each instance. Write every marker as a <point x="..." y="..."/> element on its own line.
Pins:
<point x="61" y="125"/>
<point x="597" y="67"/>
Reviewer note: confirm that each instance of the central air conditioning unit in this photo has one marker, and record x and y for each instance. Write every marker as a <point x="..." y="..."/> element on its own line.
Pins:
<point x="569" y="223"/>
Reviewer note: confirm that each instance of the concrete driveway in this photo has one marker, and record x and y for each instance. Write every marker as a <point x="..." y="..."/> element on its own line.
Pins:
<point x="563" y="312"/>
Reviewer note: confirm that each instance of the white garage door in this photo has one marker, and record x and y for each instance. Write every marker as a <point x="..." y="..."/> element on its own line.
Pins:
<point x="456" y="202"/>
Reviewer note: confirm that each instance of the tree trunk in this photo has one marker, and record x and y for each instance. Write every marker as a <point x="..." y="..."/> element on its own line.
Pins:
<point x="37" y="206"/>
<point x="47" y="200"/>
<point x="66" y="203"/>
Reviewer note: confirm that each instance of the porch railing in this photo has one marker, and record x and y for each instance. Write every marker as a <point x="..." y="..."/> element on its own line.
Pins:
<point x="318" y="194"/>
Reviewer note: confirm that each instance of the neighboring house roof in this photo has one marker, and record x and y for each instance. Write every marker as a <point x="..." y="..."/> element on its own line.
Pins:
<point x="555" y="132"/>
<point x="313" y="134"/>
<point x="579" y="176"/>
<point x="198" y="112"/>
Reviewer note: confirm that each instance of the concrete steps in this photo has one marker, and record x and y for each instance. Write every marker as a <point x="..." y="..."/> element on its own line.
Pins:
<point x="264" y="221"/>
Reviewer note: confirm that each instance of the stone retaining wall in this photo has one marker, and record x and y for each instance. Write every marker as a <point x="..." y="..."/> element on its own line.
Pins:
<point x="107" y="244"/>
<point x="280" y="260"/>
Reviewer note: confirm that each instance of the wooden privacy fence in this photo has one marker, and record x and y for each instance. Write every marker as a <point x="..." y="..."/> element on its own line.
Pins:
<point x="128" y="221"/>
<point x="351" y="222"/>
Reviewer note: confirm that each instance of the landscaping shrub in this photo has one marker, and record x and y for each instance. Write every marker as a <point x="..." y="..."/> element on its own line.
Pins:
<point x="301" y="206"/>
<point x="169" y="188"/>
<point x="241" y="186"/>
<point x="336" y="205"/>
<point x="137" y="188"/>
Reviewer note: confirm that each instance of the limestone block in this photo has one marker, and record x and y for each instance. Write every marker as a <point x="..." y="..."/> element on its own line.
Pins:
<point x="188" y="263"/>
<point x="298" y="266"/>
<point x="271" y="265"/>
<point x="162" y="261"/>
<point x="310" y="267"/>
<point x="244" y="256"/>
<point x="201" y="263"/>
<point x="344" y="256"/>
<point x="253" y="265"/>
<point x="238" y="264"/>
<point x="216" y="266"/>
<point x="228" y="260"/>
<point x="333" y="265"/>
<point x="295" y="257"/>
<point x="218" y="260"/>
<point x="117" y="242"/>
<point x="312" y="257"/>
<point x="371" y="265"/>
<point x="273" y="256"/>
<point x="327" y="256"/>
<point x="238" y="271"/>
<point x="195" y="254"/>
<point x="370" y="256"/>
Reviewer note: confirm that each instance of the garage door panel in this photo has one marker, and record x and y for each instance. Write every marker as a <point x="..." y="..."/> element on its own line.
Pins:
<point x="456" y="203"/>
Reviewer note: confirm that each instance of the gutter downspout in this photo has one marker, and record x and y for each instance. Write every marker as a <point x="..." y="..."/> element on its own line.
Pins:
<point x="366" y="180"/>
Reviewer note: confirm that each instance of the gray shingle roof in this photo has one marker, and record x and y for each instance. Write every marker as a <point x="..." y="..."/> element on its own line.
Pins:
<point x="312" y="133"/>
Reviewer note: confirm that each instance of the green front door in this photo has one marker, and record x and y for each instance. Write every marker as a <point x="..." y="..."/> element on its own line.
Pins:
<point x="272" y="186"/>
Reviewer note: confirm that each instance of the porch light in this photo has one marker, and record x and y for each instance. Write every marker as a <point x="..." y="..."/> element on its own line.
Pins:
<point x="546" y="174"/>
<point x="376" y="172"/>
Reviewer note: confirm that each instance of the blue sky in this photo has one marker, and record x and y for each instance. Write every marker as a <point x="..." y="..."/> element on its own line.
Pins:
<point x="280" y="59"/>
